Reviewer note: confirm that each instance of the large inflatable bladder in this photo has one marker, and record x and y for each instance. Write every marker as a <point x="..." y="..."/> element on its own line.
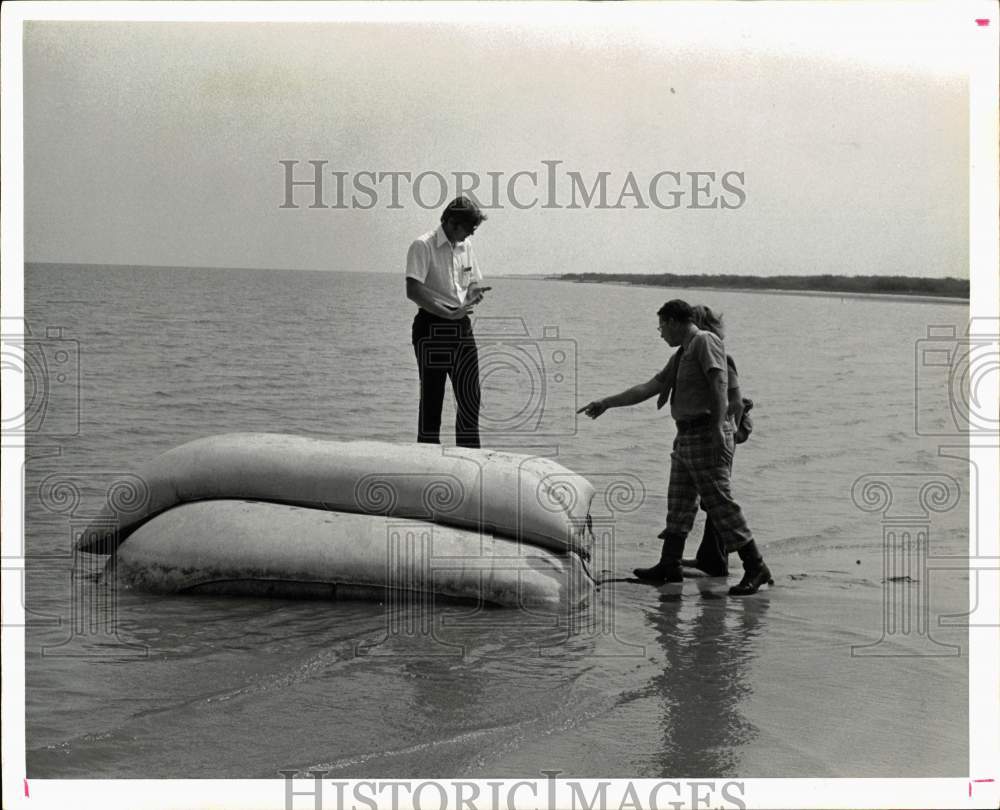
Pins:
<point x="521" y="497"/>
<point x="255" y="548"/>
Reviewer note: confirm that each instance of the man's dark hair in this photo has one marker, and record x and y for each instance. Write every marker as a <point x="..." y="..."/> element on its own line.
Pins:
<point x="463" y="211"/>
<point x="676" y="309"/>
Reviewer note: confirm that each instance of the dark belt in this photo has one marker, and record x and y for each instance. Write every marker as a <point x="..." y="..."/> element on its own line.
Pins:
<point x="686" y="425"/>
<point x="427" y="325"/>
<point x="423" y="314"/>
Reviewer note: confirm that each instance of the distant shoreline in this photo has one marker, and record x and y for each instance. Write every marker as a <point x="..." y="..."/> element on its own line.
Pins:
<point x="632" y="280"/>
<point x="679" y="283"/>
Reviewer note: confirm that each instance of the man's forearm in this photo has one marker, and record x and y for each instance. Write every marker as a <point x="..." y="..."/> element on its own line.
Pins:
<point x="631" y="396"/>
<point x="423" y="298"/>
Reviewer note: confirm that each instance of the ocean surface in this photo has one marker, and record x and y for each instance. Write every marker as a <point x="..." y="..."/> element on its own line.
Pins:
<point x="647" y="682"/>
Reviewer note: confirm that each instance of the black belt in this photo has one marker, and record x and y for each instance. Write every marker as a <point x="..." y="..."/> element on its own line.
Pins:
<point x="685" y="425"/>
<point x="423" y="314"/>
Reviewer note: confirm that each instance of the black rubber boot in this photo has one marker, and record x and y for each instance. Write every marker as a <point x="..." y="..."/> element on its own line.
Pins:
<point x="755" y="571"/>
<point x="668" y="569"/>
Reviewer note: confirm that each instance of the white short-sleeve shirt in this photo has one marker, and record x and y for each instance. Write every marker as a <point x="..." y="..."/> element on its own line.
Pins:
<point x="445" y="270"/>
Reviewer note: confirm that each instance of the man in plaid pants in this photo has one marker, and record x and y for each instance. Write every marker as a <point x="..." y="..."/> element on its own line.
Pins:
<point x="703" y="449"/>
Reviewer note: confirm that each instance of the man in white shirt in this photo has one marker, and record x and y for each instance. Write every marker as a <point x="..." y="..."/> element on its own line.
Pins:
<point x="444" y="280"/>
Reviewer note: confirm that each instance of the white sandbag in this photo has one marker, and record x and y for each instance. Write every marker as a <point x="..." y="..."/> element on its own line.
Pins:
<point x="255" y="548"/>
<point x="517" y="496"/>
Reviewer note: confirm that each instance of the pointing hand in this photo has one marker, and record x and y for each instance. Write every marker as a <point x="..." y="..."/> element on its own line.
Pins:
<point x="593" y="409"/>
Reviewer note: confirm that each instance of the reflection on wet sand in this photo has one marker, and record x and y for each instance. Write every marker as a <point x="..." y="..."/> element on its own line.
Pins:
<point x="710" y="643"/>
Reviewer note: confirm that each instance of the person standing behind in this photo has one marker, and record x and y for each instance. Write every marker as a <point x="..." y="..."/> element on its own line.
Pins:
<point x="702" y="453"/>
<point x="444" y="280"/>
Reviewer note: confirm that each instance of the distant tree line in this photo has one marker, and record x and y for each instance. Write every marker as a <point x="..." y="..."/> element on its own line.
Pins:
<point x="895" y="285"/>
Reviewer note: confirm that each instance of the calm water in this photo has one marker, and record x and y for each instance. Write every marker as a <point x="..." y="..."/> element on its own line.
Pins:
<point x="692" y="684"/>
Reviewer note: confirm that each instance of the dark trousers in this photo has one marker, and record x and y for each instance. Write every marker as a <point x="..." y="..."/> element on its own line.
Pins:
<point x="712" y="554"/>
<point x="447" y="349"/>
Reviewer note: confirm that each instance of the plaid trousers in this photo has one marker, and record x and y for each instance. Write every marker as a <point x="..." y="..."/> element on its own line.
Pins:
<point x="697" y="471"/>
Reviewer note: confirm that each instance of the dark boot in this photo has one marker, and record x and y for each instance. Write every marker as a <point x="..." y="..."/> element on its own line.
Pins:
<point x="668" y="569"/>
<point x="755" y="571"/>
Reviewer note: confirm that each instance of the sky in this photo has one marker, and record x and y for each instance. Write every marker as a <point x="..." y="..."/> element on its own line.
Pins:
<point x="845" y="130"/>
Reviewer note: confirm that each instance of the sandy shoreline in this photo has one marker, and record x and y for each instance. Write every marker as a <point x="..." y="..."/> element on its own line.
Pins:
<point x="924" y="299"/>
<point x="749" y="687"/>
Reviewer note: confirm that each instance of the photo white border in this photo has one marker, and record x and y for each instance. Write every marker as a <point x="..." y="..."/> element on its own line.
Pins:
<point x="981" y="48"/>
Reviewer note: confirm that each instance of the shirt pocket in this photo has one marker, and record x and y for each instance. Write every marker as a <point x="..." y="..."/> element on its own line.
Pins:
<point x="463" y="268"/>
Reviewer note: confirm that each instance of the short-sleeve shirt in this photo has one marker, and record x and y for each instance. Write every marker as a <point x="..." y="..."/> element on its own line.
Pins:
<point x="669" y="372"/>
<point x="446" y="270"/>
<point x="692" y="392"/>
